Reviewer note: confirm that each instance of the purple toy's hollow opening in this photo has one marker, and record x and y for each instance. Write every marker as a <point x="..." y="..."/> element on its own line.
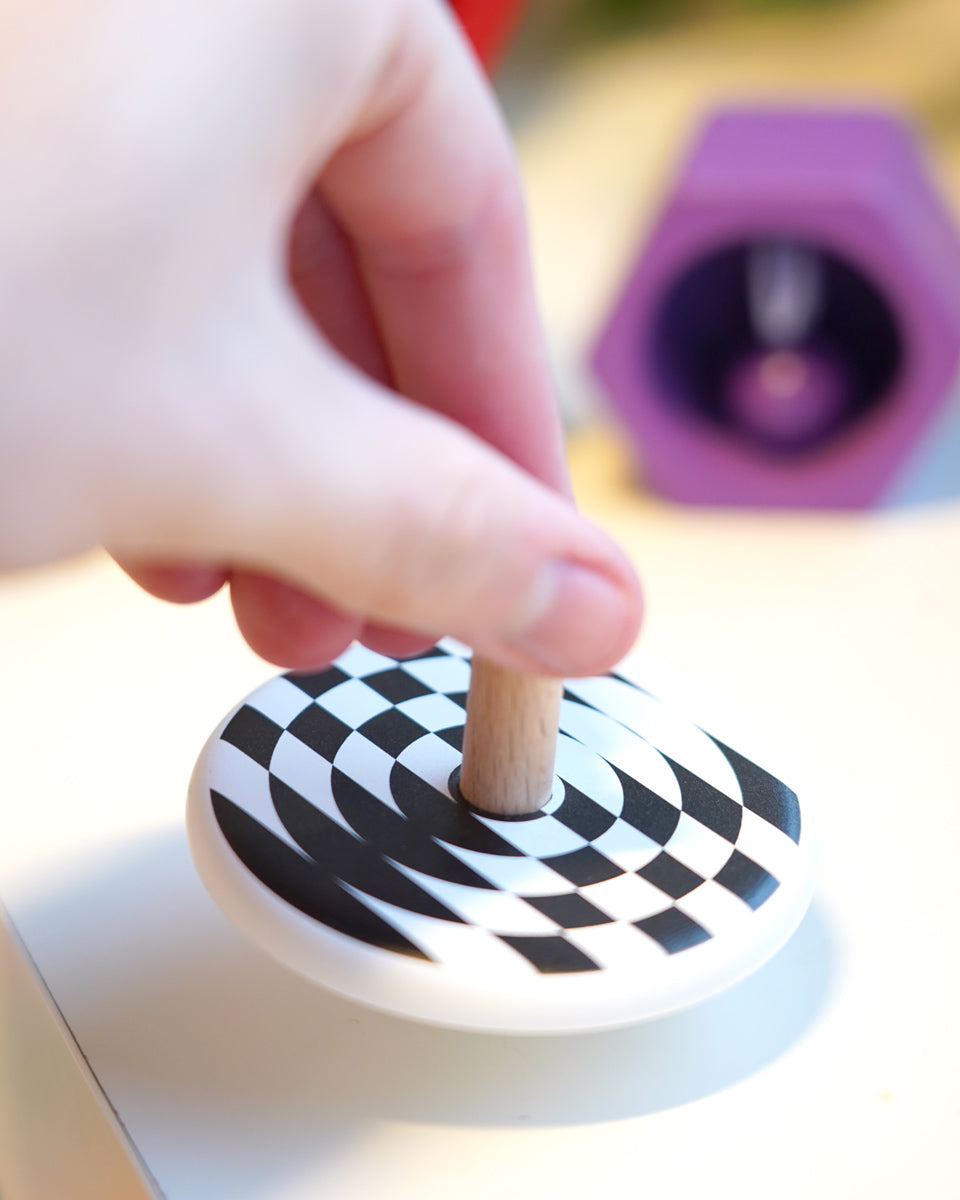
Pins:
<point x="707" y="330"/>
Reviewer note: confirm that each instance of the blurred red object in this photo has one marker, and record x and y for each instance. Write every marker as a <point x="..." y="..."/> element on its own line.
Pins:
<point x="488" y="24"/>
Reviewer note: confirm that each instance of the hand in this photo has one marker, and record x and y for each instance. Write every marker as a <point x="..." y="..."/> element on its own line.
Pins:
<point x="267" y="318"/>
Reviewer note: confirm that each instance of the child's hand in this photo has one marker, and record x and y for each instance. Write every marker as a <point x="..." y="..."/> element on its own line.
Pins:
<point x="166" y="166"/>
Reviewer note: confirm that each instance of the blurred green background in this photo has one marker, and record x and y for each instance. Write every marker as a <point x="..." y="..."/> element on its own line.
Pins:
<point x="611" y="15"/>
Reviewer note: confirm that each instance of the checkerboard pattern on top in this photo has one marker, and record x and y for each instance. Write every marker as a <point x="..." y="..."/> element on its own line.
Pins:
<point x="337" y="791"/>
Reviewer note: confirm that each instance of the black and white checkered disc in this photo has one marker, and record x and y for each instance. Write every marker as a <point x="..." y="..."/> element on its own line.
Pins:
<point x="666" y="865"/>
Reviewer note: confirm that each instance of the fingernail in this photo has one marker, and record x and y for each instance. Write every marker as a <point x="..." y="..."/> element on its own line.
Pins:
<point x="584" y="620"/>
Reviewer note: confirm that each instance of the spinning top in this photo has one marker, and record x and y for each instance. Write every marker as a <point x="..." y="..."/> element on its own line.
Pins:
<point x="460" y="862"/>
<point x="790" y="331"/>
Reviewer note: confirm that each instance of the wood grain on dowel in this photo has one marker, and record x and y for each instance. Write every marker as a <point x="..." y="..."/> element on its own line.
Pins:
<point x="509" y="740"/>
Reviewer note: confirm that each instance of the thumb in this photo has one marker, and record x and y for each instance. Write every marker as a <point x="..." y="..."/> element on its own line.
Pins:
<point x="398" y="516"/>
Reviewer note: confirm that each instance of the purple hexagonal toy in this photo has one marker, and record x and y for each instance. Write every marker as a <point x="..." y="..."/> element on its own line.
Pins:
<point x="790" y="333"/>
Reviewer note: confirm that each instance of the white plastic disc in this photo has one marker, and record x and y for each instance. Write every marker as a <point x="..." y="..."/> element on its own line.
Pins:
<point x="666" y="865"/>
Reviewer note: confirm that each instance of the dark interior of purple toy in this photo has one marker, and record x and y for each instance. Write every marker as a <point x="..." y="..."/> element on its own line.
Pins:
<point x="706" y="327"/>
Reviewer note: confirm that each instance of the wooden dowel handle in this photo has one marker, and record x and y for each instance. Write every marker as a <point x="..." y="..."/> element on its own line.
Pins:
<point x="509" y="740"/>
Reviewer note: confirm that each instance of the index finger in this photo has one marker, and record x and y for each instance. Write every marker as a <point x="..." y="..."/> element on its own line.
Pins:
<point x="428" y="191"/>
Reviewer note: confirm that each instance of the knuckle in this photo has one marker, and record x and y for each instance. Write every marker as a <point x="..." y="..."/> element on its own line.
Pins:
<point x="448" y="560"/>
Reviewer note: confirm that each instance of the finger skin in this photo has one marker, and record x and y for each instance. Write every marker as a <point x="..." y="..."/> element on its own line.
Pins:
<point x="439" y="300"/>
<point x="421" y="303"/>
<point x="323" y="273"/>
<point x="181" y="583"/>
<point x="432" y="290"/>
<point x="395" y="643"/>
<point x="429" y="193"/>
<point x="286" y="626"/>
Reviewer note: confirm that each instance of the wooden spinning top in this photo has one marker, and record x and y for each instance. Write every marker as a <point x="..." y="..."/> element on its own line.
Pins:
<point x="458" y="861"/>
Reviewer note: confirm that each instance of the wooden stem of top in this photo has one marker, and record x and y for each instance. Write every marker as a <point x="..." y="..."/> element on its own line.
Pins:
<point x="509" y="740"/>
